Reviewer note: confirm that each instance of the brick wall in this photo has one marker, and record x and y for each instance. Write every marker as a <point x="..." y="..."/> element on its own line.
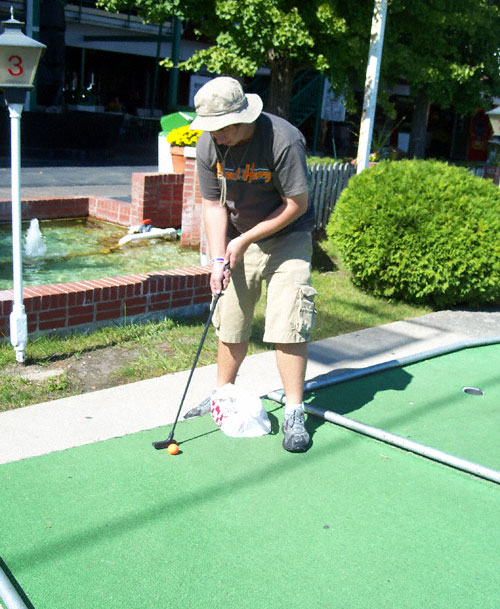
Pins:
<point x="191" y="205"/>
<point x="158" y="197"/>
<point x="66" y="306"/>
<point x="154" y="196"/>
<point x="48" y="209"/>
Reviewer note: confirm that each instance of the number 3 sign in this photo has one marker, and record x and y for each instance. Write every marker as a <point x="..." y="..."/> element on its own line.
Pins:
<point x="17" y="65"/>
<point x="19" y="56"/>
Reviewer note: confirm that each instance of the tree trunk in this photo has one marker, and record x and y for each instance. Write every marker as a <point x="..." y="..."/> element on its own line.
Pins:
<point x="280" y="93"/>
<point x="418" y="138"/>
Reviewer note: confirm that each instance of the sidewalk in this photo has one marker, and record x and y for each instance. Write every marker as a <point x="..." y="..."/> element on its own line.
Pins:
<point x="126" y="409"/>
<point x="62" y="180"/>
<point x="91" y="417"/>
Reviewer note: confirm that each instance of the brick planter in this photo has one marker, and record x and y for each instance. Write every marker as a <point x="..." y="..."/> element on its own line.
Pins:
<point x="67" y="306"/>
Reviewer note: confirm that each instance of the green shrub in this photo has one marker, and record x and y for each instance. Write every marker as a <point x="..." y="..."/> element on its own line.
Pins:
<point x="421" y="231"/>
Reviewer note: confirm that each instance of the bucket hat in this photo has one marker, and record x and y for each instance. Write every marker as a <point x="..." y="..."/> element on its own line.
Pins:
<point x="222" y="102"/>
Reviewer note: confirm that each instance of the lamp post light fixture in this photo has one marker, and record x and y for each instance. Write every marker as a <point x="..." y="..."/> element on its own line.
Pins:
<point x="19" y="57"/>
<point x="494" y="116"/>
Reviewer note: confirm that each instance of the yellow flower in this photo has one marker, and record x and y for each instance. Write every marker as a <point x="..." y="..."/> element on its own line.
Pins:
<point x="183" y="136"/>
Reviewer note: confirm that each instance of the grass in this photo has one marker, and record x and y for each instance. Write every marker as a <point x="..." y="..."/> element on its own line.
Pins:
<point x="169" y="345"/>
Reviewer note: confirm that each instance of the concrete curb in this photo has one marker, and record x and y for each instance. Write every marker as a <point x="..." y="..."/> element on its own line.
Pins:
<point x="108" y="413"/>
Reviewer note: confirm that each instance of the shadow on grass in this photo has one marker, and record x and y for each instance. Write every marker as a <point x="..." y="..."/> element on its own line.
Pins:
<point x="321" y="261"/>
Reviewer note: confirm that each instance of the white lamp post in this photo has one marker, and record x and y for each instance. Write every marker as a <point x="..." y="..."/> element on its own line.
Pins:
<point x="371" y="84"/>
<point x="19" y="57"/>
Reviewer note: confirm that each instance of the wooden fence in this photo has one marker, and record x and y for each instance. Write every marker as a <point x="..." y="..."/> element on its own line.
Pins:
<point x="326" y="184"/>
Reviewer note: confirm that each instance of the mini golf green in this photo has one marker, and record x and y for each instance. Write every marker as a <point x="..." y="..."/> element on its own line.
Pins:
<point x="426" y="402"/>
<point x="240" y="523"/>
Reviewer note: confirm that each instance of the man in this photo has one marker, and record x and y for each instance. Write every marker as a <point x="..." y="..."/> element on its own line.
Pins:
<point x="254" y="184"/>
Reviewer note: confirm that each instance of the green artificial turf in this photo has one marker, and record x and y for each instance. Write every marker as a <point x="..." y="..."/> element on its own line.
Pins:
<point x="425" y="402"/>
<point x="240" y="523"/>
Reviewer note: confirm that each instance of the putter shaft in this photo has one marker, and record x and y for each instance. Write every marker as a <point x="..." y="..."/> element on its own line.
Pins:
<point x="164" y="444"/>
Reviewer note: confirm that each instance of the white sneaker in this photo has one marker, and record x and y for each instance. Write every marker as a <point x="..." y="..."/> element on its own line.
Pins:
<point x="296" y="439"/>
<point x="201" y="409"/>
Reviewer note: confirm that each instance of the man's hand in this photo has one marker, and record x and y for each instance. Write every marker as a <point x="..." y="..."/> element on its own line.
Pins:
<point x="220" y="277"/>
<point x="236" y="249"/>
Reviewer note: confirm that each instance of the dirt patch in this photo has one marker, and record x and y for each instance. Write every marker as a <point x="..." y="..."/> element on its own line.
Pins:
<point x="85" y="372"/>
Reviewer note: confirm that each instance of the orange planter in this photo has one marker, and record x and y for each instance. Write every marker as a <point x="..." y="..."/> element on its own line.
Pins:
<point x="178" y="158"/>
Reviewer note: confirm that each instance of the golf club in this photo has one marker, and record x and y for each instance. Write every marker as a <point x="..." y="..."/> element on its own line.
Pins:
<point x="170" y="440"/>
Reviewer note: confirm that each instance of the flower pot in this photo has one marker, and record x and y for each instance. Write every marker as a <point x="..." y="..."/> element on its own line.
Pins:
<point x="178" y="158"/>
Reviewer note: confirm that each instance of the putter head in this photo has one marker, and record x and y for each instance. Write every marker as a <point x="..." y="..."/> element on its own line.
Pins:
<point x="164" y="443"/>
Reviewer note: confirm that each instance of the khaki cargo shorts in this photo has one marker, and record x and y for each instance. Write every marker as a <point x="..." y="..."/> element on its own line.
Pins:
<point x="284" y="263"/>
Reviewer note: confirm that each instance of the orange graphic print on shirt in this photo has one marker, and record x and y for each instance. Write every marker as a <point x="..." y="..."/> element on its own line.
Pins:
<point x="248" y="173"/>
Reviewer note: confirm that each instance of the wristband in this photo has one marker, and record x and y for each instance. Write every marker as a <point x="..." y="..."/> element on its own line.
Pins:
<point x="214" y="260"/>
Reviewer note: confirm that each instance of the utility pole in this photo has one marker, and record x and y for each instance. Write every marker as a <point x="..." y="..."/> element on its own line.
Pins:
<point x="371" y="84"/>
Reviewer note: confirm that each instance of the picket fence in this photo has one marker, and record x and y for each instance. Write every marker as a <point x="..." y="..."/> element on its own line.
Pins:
<point x="326" y="182"/>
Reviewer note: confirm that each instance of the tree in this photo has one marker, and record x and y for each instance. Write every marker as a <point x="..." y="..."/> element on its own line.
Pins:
<point x="277" y="34"/>
<point x="447" y="51"/>
<point x="158" y="12"/>
<point x="282" y="35"/>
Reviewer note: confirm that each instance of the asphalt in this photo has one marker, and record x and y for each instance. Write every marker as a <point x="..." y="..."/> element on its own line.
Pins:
<point x="67" y="179"/>
<point x="125" y="409"/>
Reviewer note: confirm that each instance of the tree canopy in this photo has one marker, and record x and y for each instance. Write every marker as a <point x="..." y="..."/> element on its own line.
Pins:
<point x="446" y="50"/>
<point x="282" y="35"/>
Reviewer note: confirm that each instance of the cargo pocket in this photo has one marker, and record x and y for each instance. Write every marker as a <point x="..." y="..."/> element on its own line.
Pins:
<point x="306" y="310"/>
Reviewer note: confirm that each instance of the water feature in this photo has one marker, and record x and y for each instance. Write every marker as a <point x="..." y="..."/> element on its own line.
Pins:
<point x="86" y="249"/>
<point x="34" y="245"/>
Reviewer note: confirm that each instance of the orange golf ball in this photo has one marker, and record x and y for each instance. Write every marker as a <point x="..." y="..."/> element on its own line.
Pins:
<point x="173" y="449"/>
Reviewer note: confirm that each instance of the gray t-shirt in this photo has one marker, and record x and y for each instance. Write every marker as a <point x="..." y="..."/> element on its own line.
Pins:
<point x="258" y="175"/>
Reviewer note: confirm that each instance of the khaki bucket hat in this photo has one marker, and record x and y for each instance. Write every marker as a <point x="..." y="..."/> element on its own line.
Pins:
<point x="222" y="102"/>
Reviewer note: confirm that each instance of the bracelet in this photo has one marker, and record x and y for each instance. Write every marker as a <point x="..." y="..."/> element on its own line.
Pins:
<point x="214" y="260"/>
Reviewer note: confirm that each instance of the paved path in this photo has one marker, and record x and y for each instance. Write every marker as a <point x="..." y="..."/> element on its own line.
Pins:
<point x="126" y="409"/>
<point x="45" y="181"/>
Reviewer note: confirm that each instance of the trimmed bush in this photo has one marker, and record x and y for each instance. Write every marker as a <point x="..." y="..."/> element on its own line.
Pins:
<point x="421" y="231"/>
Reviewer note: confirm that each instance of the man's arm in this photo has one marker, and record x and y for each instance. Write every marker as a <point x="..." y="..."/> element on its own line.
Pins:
<point x="291" y="209"/>
<point x="215" y="219"/>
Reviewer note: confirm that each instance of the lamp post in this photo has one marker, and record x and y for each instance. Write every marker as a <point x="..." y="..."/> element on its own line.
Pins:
<point x="19" y="57"/>
<point x="371" y="84"/>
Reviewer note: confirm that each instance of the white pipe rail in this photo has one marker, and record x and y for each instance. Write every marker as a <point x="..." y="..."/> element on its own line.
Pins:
<point x="415" y="447"/>
<point x="8" y="593"/>
<point x="428" y="452"/>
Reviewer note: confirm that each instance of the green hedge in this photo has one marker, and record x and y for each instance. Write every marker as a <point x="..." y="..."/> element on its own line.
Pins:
<point x="421" y="231"/>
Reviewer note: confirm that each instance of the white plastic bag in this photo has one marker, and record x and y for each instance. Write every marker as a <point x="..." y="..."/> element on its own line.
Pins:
<point x="238" y="413"/>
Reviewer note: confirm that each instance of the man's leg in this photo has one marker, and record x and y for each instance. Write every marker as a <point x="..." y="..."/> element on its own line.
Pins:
<point x="291" y="359"/>
<point x="229" y="359"/>
<point x="230" y="356"/>
<point x="289" y="321"/>
<point x="232" y="349"/>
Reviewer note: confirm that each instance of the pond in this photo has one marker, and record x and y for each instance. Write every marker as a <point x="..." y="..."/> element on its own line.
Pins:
<point x="74" y="250"/>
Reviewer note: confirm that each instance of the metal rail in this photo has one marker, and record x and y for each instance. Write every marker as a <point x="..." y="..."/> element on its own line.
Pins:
<point x="428" y="452"/>
<point x="8" y="592"/>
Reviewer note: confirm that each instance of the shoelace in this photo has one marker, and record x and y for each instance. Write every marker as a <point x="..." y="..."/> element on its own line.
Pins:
<point x="295" y="422"/>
